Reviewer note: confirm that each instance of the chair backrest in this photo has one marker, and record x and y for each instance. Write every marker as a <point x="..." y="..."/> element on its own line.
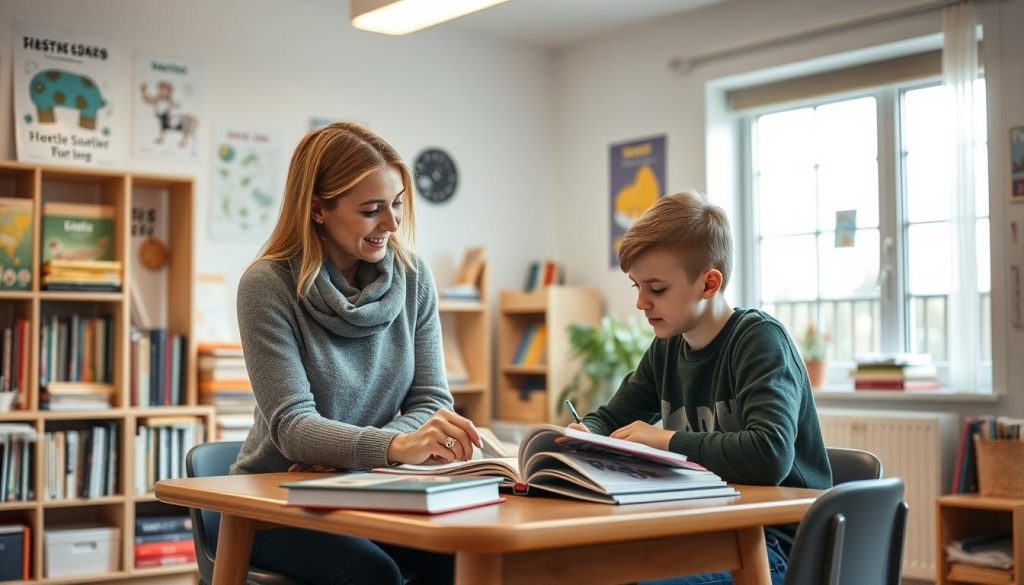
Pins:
<point x="853" y="465"/>
<point x="852" y="535"/>
<point x="205" y="460"/>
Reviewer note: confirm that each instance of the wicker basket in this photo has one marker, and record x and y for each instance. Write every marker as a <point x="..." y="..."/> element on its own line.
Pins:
<point x="1000" y="467"/>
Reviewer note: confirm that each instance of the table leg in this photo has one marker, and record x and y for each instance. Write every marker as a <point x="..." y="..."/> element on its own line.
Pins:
<point x="473" y="569"/>
<point x="234" y="547"/>
<point x="753" y="558"/>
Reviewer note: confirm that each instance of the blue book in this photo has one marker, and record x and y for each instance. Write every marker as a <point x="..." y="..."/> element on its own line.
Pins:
<point x="396" y="493"/>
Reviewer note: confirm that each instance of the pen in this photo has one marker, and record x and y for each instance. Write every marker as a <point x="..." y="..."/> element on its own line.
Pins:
<point x="572" y="411"/>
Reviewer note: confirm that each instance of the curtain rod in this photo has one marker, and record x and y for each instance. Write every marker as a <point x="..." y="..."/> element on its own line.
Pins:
<point x="683" y="65"/>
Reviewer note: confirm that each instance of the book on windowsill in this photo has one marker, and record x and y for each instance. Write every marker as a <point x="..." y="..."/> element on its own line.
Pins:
<point x="394" y="493"/>
<point x="586" y="466"/>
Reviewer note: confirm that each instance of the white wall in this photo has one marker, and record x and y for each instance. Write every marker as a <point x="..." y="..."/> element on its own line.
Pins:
<point x="620" y="86"/>
<point x="273" y="64"/>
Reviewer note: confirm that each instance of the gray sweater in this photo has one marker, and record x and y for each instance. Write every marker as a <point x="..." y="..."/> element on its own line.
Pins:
<point x="338" y="374"/>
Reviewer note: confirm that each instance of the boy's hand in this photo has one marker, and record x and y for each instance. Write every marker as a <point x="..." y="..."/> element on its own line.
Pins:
<point x="641" y="432"/>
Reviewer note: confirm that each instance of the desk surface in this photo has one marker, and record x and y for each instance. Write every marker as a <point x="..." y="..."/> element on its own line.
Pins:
<point x="518" y="524"/>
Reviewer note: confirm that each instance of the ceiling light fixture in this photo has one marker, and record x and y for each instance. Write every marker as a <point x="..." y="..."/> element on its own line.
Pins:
<point x="399" y="17"/>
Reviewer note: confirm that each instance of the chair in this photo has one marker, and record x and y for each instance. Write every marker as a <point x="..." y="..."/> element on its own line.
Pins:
<point x="852" y="535"/>
<point x="209" y="459"/>
<point x="853" y="464"/>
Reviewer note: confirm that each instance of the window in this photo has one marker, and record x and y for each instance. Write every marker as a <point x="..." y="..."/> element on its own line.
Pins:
<point x="878" y="165"/>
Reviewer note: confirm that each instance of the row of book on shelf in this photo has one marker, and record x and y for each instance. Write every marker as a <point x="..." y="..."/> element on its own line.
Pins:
<point x="901" y="372"/>
<point x="17" y="456"/>
<point x="551" y="460"/>
<point x="542" y="273"/>
<point x="81" y="463"/>
<point x="163" y="540"/>
<point x="158" y="368"/>
<point x="986" y="427"/>
<point x="161" y="444"/>
<point x="77" y="246"/>
<point x="530" y="348"/>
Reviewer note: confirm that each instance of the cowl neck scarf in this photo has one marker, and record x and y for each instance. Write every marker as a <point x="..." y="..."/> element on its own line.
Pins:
<point x="348" y="310"/>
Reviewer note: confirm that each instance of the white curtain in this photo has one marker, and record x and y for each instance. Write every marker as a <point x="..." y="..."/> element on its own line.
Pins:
<point x="959" y="71"/>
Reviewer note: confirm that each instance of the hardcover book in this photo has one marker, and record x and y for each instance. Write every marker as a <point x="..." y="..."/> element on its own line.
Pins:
<point x="15" y="243"/>
<point x="586" y="466"/>
<point x="79" y="232"/>
<point x="374" y="491"/>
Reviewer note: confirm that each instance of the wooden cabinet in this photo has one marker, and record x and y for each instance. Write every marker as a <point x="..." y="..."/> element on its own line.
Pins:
<point x="530" y="383"/>
<point x="466" y="331"/>
<point x="39" y="308"/>
<point x="965" y="515"/>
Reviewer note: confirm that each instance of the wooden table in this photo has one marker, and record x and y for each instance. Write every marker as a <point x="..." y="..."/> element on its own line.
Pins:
<point x="525" y="540"/>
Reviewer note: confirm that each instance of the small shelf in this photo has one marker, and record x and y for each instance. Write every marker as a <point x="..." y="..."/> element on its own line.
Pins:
<point x="16" y="295"/>
<point x="468" y="388"/>
<point x="524" y="370"/>
<point x="72" y="296"/>
<point x="963" y="573"/>
<point x="79" y="502"/>
<point x="18" y="505"/>
<point x="459" y="306"/>
<point x="107" y="414"/>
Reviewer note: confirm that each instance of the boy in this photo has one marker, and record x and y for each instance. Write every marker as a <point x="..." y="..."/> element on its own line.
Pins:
<point x="728" y="384"/>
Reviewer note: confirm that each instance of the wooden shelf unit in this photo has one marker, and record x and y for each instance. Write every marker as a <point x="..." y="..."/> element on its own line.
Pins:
<point x="965" y="515"/>
<point x="43" y="183"/>
<point x="556" y="307"/>
<point x="472" y="333"/>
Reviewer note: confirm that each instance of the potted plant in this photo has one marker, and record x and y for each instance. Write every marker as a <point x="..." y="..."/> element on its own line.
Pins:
<point x="607" y="352"/>
<point x="813" y="348"/>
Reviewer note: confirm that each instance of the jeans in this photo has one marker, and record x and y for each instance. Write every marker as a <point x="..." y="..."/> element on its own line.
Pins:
<point x="321" y="558"/>
<point x="777" y="565"/>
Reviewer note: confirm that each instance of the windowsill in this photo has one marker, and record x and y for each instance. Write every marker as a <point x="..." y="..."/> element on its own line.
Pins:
<point x="840" y="394"/>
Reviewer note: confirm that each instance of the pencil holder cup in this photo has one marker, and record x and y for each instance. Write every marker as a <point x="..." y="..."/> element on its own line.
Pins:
<point x="1000" y="467"/>
<point x="6" y="401"/>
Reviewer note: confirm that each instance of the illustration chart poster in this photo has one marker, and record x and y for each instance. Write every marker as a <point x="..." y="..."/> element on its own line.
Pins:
<point x="244" y="191"/>
<point x="637" y="180"/>
<point x="64" y="97"/>
<point x="166" y="105"/>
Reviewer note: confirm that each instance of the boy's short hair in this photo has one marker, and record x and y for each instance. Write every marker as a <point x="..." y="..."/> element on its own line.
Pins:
<point x="686" y="223"/>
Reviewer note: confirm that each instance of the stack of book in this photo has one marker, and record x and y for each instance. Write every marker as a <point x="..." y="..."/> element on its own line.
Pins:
<point x="69" y="396"/>
<point x="163" y="540"/>
<point x="82" y="462"/>
<point x="78" y="247"/>
<point x="224" y="384"/>
<point x="544" y="273"/>
<point x="895" y="372"/>
<point x="531" y="345"/>
<point x="95" y="275"/>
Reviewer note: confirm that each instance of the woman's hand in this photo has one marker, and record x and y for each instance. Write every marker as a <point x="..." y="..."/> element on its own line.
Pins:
<point x="445" y="437"/>
<point x="641" y="432"/>
<point x="579" y="427"/>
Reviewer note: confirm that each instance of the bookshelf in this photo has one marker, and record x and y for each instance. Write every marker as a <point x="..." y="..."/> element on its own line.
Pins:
<point x="465" y="327"/>
<point x="43" y="184"/>
<point x="966" y="515"/>
<point x="528" y="388"/>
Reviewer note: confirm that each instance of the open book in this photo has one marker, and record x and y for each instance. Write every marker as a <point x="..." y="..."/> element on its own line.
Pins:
<point x="589" y="467"/>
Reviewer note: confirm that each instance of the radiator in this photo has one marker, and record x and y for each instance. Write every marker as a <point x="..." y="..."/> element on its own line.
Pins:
<point x="917" y="447"/>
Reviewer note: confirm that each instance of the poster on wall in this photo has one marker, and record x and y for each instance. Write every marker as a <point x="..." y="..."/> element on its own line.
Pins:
<point x="244" y="192"/>
<point x="64" y="101"/>
<point x="166" y="102"/>
<point x="637" y="180"/>
<point x="1017" y="163"/>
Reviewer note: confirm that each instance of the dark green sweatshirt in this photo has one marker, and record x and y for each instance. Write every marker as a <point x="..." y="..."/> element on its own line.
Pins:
<point x="742" y="406"/>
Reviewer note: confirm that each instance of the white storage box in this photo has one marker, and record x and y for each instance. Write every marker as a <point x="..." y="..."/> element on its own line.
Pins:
<point x="81" y="549"/>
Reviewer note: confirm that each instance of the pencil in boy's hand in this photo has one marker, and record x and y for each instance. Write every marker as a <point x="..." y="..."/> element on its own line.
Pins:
<point x="572" y="411"/>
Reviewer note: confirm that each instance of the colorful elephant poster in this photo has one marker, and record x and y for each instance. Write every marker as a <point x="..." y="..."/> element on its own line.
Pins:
<point x="244" y="190"/>
<point x="64" y="97"/>
<point x="637" y="181"/>
<point x="166" y="106"/>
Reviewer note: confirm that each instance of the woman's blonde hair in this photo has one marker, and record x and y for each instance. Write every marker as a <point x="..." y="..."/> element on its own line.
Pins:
<point x="328" y="163"/>
<point x="685" y="223"/>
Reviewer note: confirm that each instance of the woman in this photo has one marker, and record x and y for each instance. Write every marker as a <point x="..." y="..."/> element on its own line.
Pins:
<point x="342" y="341"/>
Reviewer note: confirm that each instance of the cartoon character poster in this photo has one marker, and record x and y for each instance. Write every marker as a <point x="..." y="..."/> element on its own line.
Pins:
<point x="166" y="105"/>
<point x="244" y="191"/>
<point x="637" y="181"/>
<point x="64" y="97"/>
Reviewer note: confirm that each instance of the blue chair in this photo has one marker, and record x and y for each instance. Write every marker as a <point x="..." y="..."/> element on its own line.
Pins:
<point x="853" y="464"/>
<point x="852" y="535"/>
<point x="211" y="459"/>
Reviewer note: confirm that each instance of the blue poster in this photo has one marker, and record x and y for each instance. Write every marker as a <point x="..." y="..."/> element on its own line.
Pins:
<point x="637" y="181"/>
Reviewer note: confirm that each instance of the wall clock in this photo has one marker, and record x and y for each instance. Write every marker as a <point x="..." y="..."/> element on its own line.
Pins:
<point x="436" y="175"/>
